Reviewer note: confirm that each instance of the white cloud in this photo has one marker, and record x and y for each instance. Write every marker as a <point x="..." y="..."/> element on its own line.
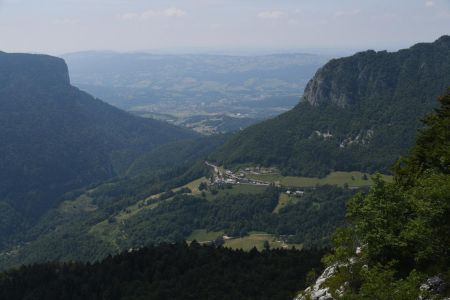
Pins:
<point x="171" y="12"/>
<point x="347" y="13"/>
<point x="429" y="3"/>
<point x="273" y="14"/>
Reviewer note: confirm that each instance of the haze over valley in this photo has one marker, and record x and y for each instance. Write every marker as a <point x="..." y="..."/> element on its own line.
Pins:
<point x="209" y="93"/>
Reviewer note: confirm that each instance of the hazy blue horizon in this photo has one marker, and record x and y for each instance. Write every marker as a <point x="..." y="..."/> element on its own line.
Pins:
<point x="208" y="26"/>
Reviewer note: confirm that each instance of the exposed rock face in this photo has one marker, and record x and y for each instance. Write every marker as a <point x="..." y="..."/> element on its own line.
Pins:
<point x="348" y="81"/>
<point x="317" y="291"/>
<point x="434" y="285"/>
<point x="343" y="81"/>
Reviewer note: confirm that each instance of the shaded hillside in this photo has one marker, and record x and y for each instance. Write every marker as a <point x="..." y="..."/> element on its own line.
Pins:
<point x="357" y="113"/>
<point x="182" y="153"/>
<point x="57" y="138"/>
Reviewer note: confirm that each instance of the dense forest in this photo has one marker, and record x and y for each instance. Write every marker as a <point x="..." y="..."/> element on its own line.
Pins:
<point x="310" y="221"/>
<point x="357" y="113"/>
<point x="168" y="271"/>
<point x="401" y="228"/>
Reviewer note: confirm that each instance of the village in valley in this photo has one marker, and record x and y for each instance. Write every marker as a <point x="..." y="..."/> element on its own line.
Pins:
<point x="247" y="176"/>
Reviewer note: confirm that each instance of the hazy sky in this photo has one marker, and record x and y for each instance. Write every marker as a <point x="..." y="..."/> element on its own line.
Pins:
<point x="59" y="26"/>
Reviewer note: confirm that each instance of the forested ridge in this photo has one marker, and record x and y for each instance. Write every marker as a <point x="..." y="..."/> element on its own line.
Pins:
<point x="311" y="221"/>
<point x="168" y="271"/>
<point x="358" y="113"/>
<point x="99" y="222"/>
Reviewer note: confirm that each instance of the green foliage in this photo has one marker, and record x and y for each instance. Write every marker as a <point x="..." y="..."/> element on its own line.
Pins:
<point x="380" y="282"/>
<point x="432" y="150"/>
<point x="379" y="223"/>
<point x="314" y="218"/>
<point x="167" y="271"/>
<point x="402" y="226"/>
<point x="371" y="103"/>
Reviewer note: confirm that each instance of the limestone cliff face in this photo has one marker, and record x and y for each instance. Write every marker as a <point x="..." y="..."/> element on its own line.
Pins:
<point x="338" y="82"/>
<point x="371" y="76"/>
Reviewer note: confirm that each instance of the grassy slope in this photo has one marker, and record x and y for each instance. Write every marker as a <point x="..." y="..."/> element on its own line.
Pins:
<point x="283" y="201"/>
<point x="257" y="239"/>
<point x="353" y="179"/>
<point x="246" y="243"/>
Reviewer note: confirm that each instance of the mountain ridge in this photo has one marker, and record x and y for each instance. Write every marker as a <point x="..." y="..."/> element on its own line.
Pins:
<point x="360" y="73"/>
<point x="20" y="68"/>
<point x="61" y="138"/>
<point x="358" y="113"/>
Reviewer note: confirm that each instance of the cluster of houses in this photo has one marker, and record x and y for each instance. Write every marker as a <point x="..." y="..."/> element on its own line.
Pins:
<point x="261" y="170"/>
<point x="228" y="177"/>
<point x="295" y="193"/>
<point x="233" y="179"/>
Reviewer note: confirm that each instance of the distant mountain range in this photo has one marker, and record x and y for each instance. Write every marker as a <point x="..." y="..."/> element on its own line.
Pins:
<point x="357" y="113"/>
<point x="56" y="138"/>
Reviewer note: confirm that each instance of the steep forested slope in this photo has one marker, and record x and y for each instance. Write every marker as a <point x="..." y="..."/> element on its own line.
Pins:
<point x="56" y="138"/>
<point x="401" y="229"/>
<point x="357" y="113"/>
